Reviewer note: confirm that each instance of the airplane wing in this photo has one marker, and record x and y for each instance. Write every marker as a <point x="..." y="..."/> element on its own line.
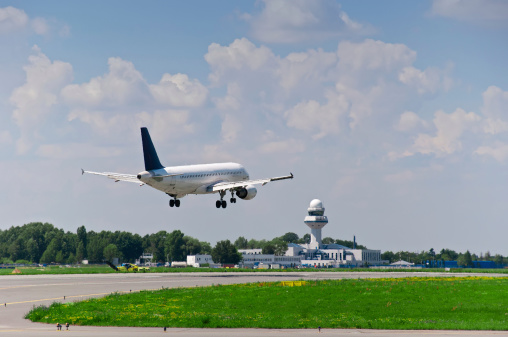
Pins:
<point x="116" y="176"/>
<point x="239" y="184"/>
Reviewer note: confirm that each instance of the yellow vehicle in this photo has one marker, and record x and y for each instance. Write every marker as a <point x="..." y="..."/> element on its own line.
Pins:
<point x="128" y="267"/>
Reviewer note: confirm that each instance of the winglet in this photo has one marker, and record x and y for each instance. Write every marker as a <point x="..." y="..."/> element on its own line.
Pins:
<point x="82" y="171"/>
<point x="151" y="159"/>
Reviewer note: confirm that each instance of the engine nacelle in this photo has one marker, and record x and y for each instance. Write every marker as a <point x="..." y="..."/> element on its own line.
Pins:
<point x="247" y="193"/>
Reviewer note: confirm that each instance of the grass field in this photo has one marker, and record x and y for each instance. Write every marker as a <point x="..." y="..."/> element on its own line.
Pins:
<point x="102" y="269"/>
<point x="463" y="303"/>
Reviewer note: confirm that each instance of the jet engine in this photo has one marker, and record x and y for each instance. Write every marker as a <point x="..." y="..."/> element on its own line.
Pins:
<point x="247" y="193"/>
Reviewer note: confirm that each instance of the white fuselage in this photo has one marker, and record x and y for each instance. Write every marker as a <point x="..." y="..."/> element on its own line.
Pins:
<point x="178" y="181"/>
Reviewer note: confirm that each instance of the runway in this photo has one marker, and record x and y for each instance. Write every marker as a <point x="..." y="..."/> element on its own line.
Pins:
<point x="19" y="293"/>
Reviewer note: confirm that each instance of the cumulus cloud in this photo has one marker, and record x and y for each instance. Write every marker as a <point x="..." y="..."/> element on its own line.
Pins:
<point x="12" y="19"/>
<point x="409" y="121"/>
<point x="240" y="55"/>
<point x="34" y="100"/>
<point x="178" y="90"/>
<point x="499" y="151"/>
<point x="312" y="66"/>
<point x="374" y="55"/>
<point x="40" y="26"/>
<point x="358" y="81"/>
<point x="429" y="80"/>
<point x="319" y="119"/>
<point x="476" y="11"/>
<point x="449" y="129"/>
<point x="123" y="84"/>
<point x="291" y="21"/>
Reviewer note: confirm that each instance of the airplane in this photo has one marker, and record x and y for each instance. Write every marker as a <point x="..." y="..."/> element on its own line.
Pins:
<point x="128" y="267"/>
<point x="179" y="181"/>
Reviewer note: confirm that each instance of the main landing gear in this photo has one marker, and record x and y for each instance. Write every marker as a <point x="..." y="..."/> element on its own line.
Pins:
<point x="222" y="203"/>
<point x="174" y="202"/>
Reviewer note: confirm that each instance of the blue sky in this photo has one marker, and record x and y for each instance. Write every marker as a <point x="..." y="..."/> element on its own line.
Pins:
<point x="392" y="113"/>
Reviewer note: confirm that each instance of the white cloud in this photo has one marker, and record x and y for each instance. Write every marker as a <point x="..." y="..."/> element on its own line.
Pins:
<point x="495" y="103"/>
<point x="409" y="121"/>
<point x="312" y="66"/>
<point x="499" y="152"/>
<point x="240" y="55"/>
<point x="313" y="117"/>
<point x="177" y="90"/>
<point x="374" y="55"/>
<point x="428" y="81"/>
<point x="283" y="146"/>
<point x="35" y="100"/>
<point x="291" y="21"/>
<point x="122" y="85"/>
<point x="477" y="11"/>
<point x="449" y="129"/>
<point x="12" y="19"/>
<point x="40" y="26"/>
<point x="495" y="108"/>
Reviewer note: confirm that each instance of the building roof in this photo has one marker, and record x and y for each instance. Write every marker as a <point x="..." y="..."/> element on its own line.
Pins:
<point x="335" y="246"/>
<point x="401" y="263"/>
<point x="294" y="245"/>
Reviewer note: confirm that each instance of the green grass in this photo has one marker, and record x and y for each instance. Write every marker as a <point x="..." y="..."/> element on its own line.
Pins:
<point x="463" y="303"/>
<point x="104" y="269"/>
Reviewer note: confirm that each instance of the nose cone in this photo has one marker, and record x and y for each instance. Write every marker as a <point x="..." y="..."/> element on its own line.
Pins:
<point x="143" y="176"/>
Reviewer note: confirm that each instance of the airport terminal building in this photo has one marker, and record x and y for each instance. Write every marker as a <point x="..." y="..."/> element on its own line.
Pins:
<point x="314" y="254"/>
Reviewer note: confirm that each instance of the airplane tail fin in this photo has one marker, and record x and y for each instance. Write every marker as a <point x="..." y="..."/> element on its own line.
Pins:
<point x="151" y="159"/>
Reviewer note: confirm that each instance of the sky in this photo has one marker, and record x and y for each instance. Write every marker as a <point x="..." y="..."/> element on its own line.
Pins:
<point x="394" y="114"/>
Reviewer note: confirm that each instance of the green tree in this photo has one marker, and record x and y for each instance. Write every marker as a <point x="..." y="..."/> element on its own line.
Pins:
<point x="305" y="238"/>
<point x="192" y="245"/>
<point x="206" y="247"/>
<point x="290" y="237"/>
<point x="225" y="252"/>
<point x="268" y="248"/>
<point x="82" y="238"/>
<point x="59" y="258"/>
<point x="465" y="260"/>
<point x="241" y="243"/>
<point x="498" y="259"/>
<point x="111" y="251"/>
<point x="328" y="240"/>
<point x="388" y="255"/>
<point x="175" y="246"/>
<point x="80" y="252"/>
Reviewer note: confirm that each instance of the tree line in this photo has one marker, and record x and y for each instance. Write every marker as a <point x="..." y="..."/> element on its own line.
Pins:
<point x="39" y="242"/>
<point x="463" y="259"/>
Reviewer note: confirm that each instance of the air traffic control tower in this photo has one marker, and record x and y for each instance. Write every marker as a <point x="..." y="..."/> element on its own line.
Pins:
<point x="316" y="220"/>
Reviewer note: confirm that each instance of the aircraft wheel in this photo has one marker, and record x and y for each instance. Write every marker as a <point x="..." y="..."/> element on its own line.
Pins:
<point x="232" y="200"/>
<point x="172" y="203"/>
<point x="218" y="204"/>
<point x="177" y="203"/>
<point x="224" y="204"/>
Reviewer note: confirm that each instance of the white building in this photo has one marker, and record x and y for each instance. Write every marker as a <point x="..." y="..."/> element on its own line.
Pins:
<point x="315" y="253"/>
<point x="199" y="260"/>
